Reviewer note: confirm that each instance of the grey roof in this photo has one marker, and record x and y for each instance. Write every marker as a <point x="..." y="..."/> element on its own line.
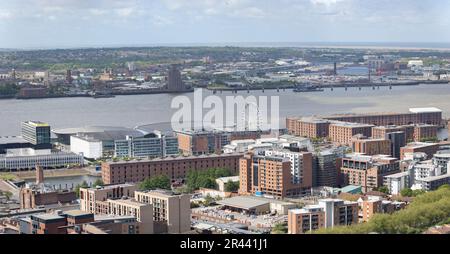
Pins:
<point x="12" y="139"/>
<point x="95" y="129"/>
<point x="243" y="202"/>
<point x="110" y="135"/>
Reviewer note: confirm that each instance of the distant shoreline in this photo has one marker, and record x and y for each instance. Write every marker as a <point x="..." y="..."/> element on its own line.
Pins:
<point x="432" y="46"/>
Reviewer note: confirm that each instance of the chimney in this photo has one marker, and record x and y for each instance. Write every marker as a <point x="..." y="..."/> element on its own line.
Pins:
<point x="39" y="175"/>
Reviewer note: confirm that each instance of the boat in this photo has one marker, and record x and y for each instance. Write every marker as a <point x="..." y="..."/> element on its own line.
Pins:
<point x="307" y="88"/>
<point x="98" y="95"/>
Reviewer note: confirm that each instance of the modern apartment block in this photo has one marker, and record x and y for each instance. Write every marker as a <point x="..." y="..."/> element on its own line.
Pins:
<point x="343" y="132"/>
<point x="325" y="170"/>
<point x="89" y="196"/>
<point x="150" y="146"/>
<point x="276" y="174"/>
<point x="367" y="171"/>
<point x="175" y="168"/>
<point x="419" y="147"/>
<point x="126" y="207"/>
<point x="397" y="141"/>
<point x="339" y="212"/>
<point x="326" y="214"/>
<point x="173" y="211"/>
<point x="397" y="182"/>
<point x="207" y="142"/>
<point x="36" y="132"/>
<point x="370" y="207"/>
<point x="47" y="223"/>
<point x="368" y="146"/>
<point x="307" y="219"/>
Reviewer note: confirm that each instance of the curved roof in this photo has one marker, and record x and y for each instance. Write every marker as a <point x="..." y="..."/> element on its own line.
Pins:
<point x="95" y="129"/>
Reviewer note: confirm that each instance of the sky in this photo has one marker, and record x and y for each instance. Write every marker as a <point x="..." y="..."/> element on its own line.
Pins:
<point x="84" y="23"/>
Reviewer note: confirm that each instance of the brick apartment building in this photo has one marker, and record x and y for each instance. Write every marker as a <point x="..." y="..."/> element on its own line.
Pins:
<point x="275" y="174"/>
<point x="308" y="127"/>
<point x="418" y="147"/>
<point x="368" y="146"/>
<point x="343" y="132"/>
<point x="173" y="211"/>
<point x="207" y="142"/>
<point x="174" y="168"/>
<point x="414" y="116"/>
<point x="367" y="171"/>
<point x="326" y="214"/>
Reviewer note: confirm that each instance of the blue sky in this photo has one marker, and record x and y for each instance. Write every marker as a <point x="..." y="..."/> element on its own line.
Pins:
<point x="59" y="23"/>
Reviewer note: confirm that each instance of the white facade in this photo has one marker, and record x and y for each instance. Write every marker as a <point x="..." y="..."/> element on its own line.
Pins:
<point x="50" y="160"/>
<point x="397" y="182"/>
<point x="296" y="160"/>
<point x="422" y="171"/>
<point x="221" y="182"/>
<point x="90" y="148"/>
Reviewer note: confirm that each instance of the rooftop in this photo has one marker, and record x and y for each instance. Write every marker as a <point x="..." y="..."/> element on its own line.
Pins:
<point x="37" y="123"/>
<point x="350" y="124"/>
<point x="397" y="175"/>
<point x="112" y="186"/>
<point x="435" y="178"/>
<point x="12" y="139"/>
<point x="131" y="202"/>
<point x="243" y="202"/>
<point x="425" y="110"/>
<point x="177" y="158"/>
<point x="48" y="216"/>
<point x="75" y="213"/>
<point x="228" y="178"/>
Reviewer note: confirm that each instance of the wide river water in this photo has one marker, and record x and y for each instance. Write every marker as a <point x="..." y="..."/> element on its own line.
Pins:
<point x="134" y="110"/>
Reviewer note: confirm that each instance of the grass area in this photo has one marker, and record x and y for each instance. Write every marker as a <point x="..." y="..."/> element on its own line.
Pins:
<point x="427" y="210"/>
<point x="7" y="176"/>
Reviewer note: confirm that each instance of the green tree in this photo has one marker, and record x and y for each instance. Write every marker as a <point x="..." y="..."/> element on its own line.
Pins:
<point x="280" y="228"/>
<point x="157" y="182"/>
<point x="383" y="189"/>
<point x="209" y="200"/>
<point x="98" y="182"/>
<point x="84" y="184"/>
<point x="205" y="179"/>
<point x="406" y="192"/>
<point x="232" y="186"/>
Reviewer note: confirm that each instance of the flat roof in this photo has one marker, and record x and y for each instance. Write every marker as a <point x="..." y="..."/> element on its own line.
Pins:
<point x="243" y="202"/>
<point x="12" y="139"/>
<point x="434" y="178"/>
<point x="93" y="129"/>
<point x="178" y="158"/>
<point x="425" y="110"/>
<point x="48" y="216"/>
<point x="112" y="186"/>
<point x="419" y="144"/>
<point x="228" y="178"/>
<point x="401" y="174"/>
<point x="350" y="188"/>
<point x="128" y="202"/>
<point x="77" y="213"/>
<point x="37" y="123"/>
<point x="351" y="124"/>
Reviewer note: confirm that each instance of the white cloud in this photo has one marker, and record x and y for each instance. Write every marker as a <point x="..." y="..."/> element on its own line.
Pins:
<point x="325" y="2"/>
<point x="124" y="12"/>
<point x="4" y="14"/>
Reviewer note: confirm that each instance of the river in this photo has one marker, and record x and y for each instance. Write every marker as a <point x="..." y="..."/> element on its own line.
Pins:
<point x="134" y="110"/>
